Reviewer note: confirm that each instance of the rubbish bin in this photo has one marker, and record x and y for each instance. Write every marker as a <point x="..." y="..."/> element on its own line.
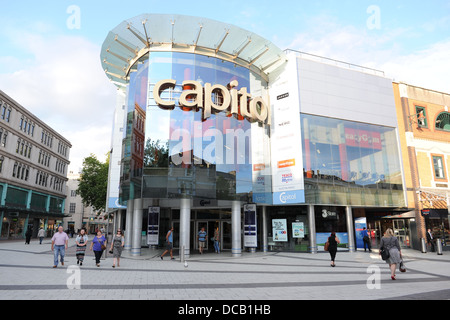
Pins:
<point x="424" y="245"/>
<point x="439" y="247"/>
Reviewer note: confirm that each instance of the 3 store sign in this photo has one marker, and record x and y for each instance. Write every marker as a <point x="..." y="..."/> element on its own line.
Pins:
<point x="239" y="103"/>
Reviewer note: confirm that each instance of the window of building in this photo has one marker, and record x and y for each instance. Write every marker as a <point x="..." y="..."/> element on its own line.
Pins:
<point x="72" y="207"/>
<point x="73" y="193"/>
<point x="438" y="165"/>
<point x="421" y="114"/>
<point x="443" y="121"/>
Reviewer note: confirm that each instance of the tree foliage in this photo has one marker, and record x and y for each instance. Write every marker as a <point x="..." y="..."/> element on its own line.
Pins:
<point x="93" y="183"/>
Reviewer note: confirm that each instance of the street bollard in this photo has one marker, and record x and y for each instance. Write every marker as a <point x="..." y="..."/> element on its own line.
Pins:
<point x="439" y="247"/>
<point x="424" y="245"/>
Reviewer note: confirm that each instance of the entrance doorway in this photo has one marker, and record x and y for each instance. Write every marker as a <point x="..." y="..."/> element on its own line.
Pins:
<point x="210" y="227"/>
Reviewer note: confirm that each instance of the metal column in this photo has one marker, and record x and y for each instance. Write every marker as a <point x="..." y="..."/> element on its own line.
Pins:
<point x="312" y="230"/>
<point x="185" y="226"/>
<point x="129" y="225"/>
<point x="137" y="228"/>
<point x="265" y="247"/>
<point x="350" y="229"/>
<point x="236" y="244"/>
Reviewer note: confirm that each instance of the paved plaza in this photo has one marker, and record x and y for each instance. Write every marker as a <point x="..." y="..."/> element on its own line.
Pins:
<point x="26" y="273"/>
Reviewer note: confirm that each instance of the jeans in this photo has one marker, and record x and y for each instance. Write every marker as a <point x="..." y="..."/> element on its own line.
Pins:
<point x="216" y="246"/>
<point x="59" y="250"/>
<point x="98" y="255"/>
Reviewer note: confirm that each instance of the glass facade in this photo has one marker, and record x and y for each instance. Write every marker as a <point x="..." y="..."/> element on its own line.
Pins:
<point x="350" y="163"/>
<point x="176" y="152"/>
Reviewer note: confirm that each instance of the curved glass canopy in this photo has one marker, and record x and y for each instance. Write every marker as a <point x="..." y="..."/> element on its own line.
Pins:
<point x="137" y="36"/>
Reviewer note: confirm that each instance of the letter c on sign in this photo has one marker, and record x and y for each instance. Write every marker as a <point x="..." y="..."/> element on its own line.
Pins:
<point x="160" y="87"/>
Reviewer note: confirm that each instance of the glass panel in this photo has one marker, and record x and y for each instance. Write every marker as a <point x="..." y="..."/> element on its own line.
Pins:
<point x="349" y="163"/>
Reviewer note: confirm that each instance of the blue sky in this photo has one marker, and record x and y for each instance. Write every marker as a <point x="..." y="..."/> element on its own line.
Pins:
<point x="55" y="71"/>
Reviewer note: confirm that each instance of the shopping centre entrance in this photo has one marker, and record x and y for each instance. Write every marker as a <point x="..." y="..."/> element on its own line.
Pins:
<point x="210" y="219"/>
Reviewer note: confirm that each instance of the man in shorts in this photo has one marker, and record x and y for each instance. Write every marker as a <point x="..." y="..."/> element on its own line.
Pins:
<point x="169" y="244"/>
<point x="201" y="237"/>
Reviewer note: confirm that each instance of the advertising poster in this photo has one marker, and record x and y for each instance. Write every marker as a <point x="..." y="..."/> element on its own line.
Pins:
<point x="287" y="158"/>
<point x="298" y="230"/>
<point x="250" y="231"/>
<point x="153" y="226"/>
<point x="322" y="237"/>
<point x="360" y="223"/>
<point x="279" y="230"/>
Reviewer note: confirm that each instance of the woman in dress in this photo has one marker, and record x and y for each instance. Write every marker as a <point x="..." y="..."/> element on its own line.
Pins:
<point x="333" y="241"/>
<point x="98" y="244"/>
<point x="117" y="247"/>
<point x="81" y="241"/>
<point x="390" y="243"/>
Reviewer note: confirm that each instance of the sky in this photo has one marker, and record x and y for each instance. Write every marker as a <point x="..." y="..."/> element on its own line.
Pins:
<point x="50" y="50"/>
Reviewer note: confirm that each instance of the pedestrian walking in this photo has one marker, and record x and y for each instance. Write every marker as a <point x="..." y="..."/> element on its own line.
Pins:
<point x="98" y="245"/>
<point x="366" y="240"/>
<point x="28" y="235"/>
<point x="217" y="240"/>
<point x="117" y="244"/>
<point x="60" y="242"/>
<point x="81" y="241"/>
<point x="333" y="242"/>
<point x="390" y="243"/>
<point x="201" y="237"/>
<point x="41" y="235"/>
<point x="169" y="244"/>
<point x="430" y="240"/>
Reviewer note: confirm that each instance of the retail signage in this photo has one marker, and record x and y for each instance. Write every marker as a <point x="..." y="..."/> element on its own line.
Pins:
<point x="363" y="139"/>
<point x="195" y="96"/>
<point x="286" y="141"/>
<point x="153" y="226"/>
<point x="250" y="229"/>
<point x="298" y="230"/>
<point x="360" y="223"/>
<point x="279" y="230"/>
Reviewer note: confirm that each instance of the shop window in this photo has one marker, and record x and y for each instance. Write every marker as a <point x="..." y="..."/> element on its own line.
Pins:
<point x="438" y="165"/>
<point x="443" y="121"/>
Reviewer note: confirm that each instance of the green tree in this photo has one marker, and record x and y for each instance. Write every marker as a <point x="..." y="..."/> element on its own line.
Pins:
<point x="93" y="182"/>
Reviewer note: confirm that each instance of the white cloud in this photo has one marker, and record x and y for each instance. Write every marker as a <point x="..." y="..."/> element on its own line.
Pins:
<point x="383" y="50"/>
<point x="67" y="89"/>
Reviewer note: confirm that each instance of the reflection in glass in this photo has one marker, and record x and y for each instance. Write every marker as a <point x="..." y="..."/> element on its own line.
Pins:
<point x="181" y="153"/>
<point x="350" y="163"/>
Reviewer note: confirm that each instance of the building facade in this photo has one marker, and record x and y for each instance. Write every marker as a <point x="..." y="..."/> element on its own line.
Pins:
<point x="79" y="216"/>
<point x="33" y="166"/>
<point x="424" y="118"/>
<point x="222" y="129"/>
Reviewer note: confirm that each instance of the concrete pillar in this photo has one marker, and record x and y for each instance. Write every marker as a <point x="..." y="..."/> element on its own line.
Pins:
<point x="350" y="229"/>
<point x="312" y="230"/>
<point x="265" y="246"/>
<point x="236" y="242"/>
<point x="129" y="225"/>
<point x="137" y="228"/>
<point x="185" y="227"/>
<point x="118" y="220"/>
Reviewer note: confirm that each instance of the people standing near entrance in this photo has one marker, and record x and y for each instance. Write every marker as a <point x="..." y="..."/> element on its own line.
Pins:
<point x="98" y="245"/>
<point x="333" y="241"/>
<point x="60" y="242"/>
<point x="81" y="241"/>
<point x="201" y="237"/>
<point x="366" y="240"/>
<point x="169" y="244"/>
<point x="390" y="243"/>
<point x="216" y="240"/>
<point x="41" y="234"/>
<point x="430" y="240"/>
<point x="117" y="244"/>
